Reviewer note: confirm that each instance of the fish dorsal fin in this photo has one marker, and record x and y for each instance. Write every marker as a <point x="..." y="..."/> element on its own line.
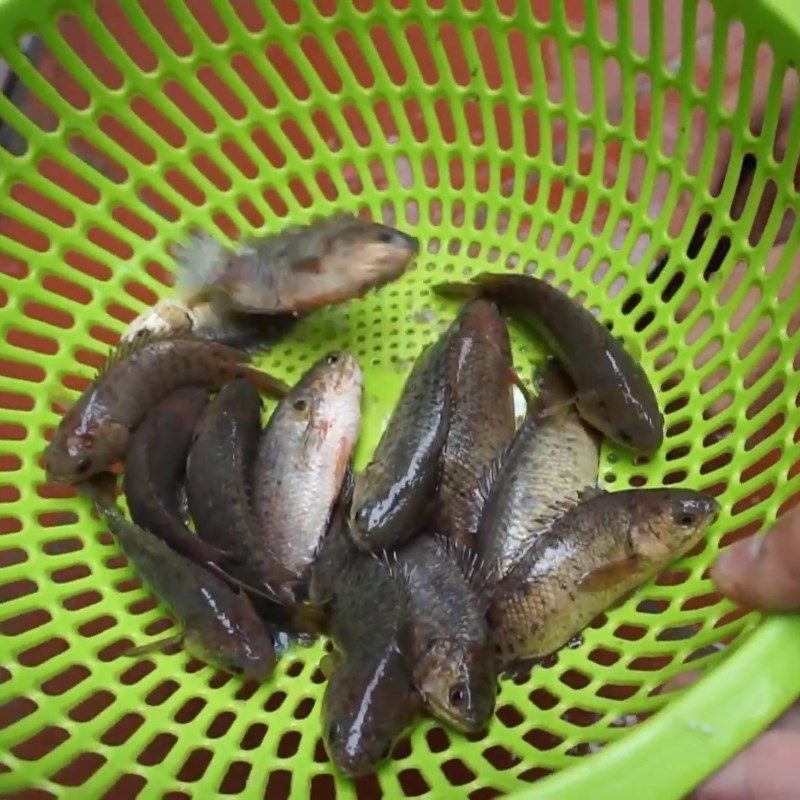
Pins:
<point x="475" y="570"/>
<point x="126" y="349"/>
<point x="482" y="488"/>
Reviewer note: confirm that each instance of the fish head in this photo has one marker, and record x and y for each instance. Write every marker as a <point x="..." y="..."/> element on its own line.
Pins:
<point x="242" y="646"/>
<point x="667" y="522"/>
<point x="624" y="417"/>
<point x="458" y="681"/>
<point x="327" y="400"/>
<point x="366" y="253"/>
<point x="76" y="453"/>
<point x="368" y="703"/>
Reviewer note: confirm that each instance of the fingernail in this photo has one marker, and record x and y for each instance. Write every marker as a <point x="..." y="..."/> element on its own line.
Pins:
<point x="736" y="560"/>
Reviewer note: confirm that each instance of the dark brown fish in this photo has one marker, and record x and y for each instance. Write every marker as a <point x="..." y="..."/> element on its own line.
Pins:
<point x="155" y="470"/>
<point x="481" y="418"/>
<point x="551" y="463"/>
<point x="219" y="625"/>
<point x="394" y="495"/>
<point x="297" y="269"/>
<point x="303" y="457"/>
<point x="370" y="697"/>
<point x="94" y="433"/>
<point x="588" y="559"/>
<point x="454" y="664"/>
<point x="612" y="391"/>
<point x="219" y="486"/>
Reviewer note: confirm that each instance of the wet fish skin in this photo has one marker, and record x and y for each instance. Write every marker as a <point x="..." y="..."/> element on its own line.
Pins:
<point x="155" y="472"/>
<point x="454" y="664"/>
<point x="552" y="461"/>
<point x="613" y="392"/>
<point x="588" y="559"/>
<point x="482" y="418"/>
<point x="370" y="698"/>
<point x="299" y="268"/>
<point x="95" y="432"/>
<point x="303" y="458"/>
<point x="394" y="494"/>
<point x="219" y="486"/>
<point x="220" y="625"/>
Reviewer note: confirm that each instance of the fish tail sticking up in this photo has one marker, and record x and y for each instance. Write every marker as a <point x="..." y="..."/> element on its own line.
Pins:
<point x="265" y="383"/>
<point x="200" y="264"/>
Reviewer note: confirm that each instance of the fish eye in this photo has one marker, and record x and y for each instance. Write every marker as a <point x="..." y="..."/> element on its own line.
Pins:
<point x="458" y="695"/>
<point x="625" y="436"/>
<point x="83" y="466"/>
<point x="685" y="520"/>
<point x="332" y="358"/>
<point x="385" y="236"/>
<point x="300" y="405"/>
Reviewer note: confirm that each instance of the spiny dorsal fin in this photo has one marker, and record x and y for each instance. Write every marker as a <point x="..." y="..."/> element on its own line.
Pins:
<point x="126" y="349"/>
<point x="473" y="567"/>
<point x="483" y="486"/>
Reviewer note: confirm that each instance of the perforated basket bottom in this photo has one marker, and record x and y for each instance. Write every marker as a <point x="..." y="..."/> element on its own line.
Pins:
<point x="526" y="137"/>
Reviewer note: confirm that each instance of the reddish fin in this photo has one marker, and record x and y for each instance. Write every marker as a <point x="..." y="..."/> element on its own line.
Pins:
<point x="265" y="383"/>
<point x="609" y="576"/>
<point x="154" y="647"/>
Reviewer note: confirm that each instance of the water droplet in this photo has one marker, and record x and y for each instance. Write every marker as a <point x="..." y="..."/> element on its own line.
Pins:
<point x="575" y="642"/>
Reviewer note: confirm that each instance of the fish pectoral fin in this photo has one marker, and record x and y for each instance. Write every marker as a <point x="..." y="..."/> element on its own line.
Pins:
<point x="610" y="575"/>
<point x="266" y="383"/>
<point x="590" y="492"/>
<point x="137" y="651"/>
<point x="330" y="662"/>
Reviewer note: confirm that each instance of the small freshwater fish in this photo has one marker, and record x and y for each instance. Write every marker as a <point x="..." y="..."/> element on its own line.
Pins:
<point x="454" y="664"/>
<point x="219" y="625"/>
<point x="297" y="269"/>
<point x="481" y="418"/>
<point x="552" y="462"/>
<point x="394" y="494"/>
<point x="589" y="558"/>
<point x="612" y="391"/>
<point x="219" y="488"/>
<point x="303" y="458"/>
<point x="95" y="432"/>
<point x="370" y="697"/>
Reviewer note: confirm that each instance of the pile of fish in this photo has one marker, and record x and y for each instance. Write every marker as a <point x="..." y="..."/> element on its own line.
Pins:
<point x="467" y="545"/>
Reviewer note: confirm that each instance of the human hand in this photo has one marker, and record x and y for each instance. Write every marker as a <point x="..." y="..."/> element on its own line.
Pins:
<point x="763" y="573"/>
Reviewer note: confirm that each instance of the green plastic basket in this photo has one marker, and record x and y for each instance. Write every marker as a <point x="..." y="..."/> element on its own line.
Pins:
<point x="582" y="141"/>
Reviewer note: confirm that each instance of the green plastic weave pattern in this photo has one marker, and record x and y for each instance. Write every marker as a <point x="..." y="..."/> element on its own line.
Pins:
<point x="582" y="141"/>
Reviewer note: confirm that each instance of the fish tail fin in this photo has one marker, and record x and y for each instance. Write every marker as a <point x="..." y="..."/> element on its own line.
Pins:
<point x="456" y="290"/>
<point x="200" y="264"/>
<point x="265" y="383"/>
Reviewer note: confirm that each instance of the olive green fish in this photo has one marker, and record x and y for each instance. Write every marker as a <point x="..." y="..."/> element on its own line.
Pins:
<point x="219" y="626"/>
<point x="303" y="457"/>
<point x="393" y="497"/>
<point x="297" y="269"/>
<point x="370" y="697"/>
<point x="481" y="418"/>
<point x="219" y="478"/>
<point x="94" y="433"/>
<point x="612" y="391"/>
<point x="454" y="665"/>
<point x="588" y="559"/>
<point x="551" y="463"/>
